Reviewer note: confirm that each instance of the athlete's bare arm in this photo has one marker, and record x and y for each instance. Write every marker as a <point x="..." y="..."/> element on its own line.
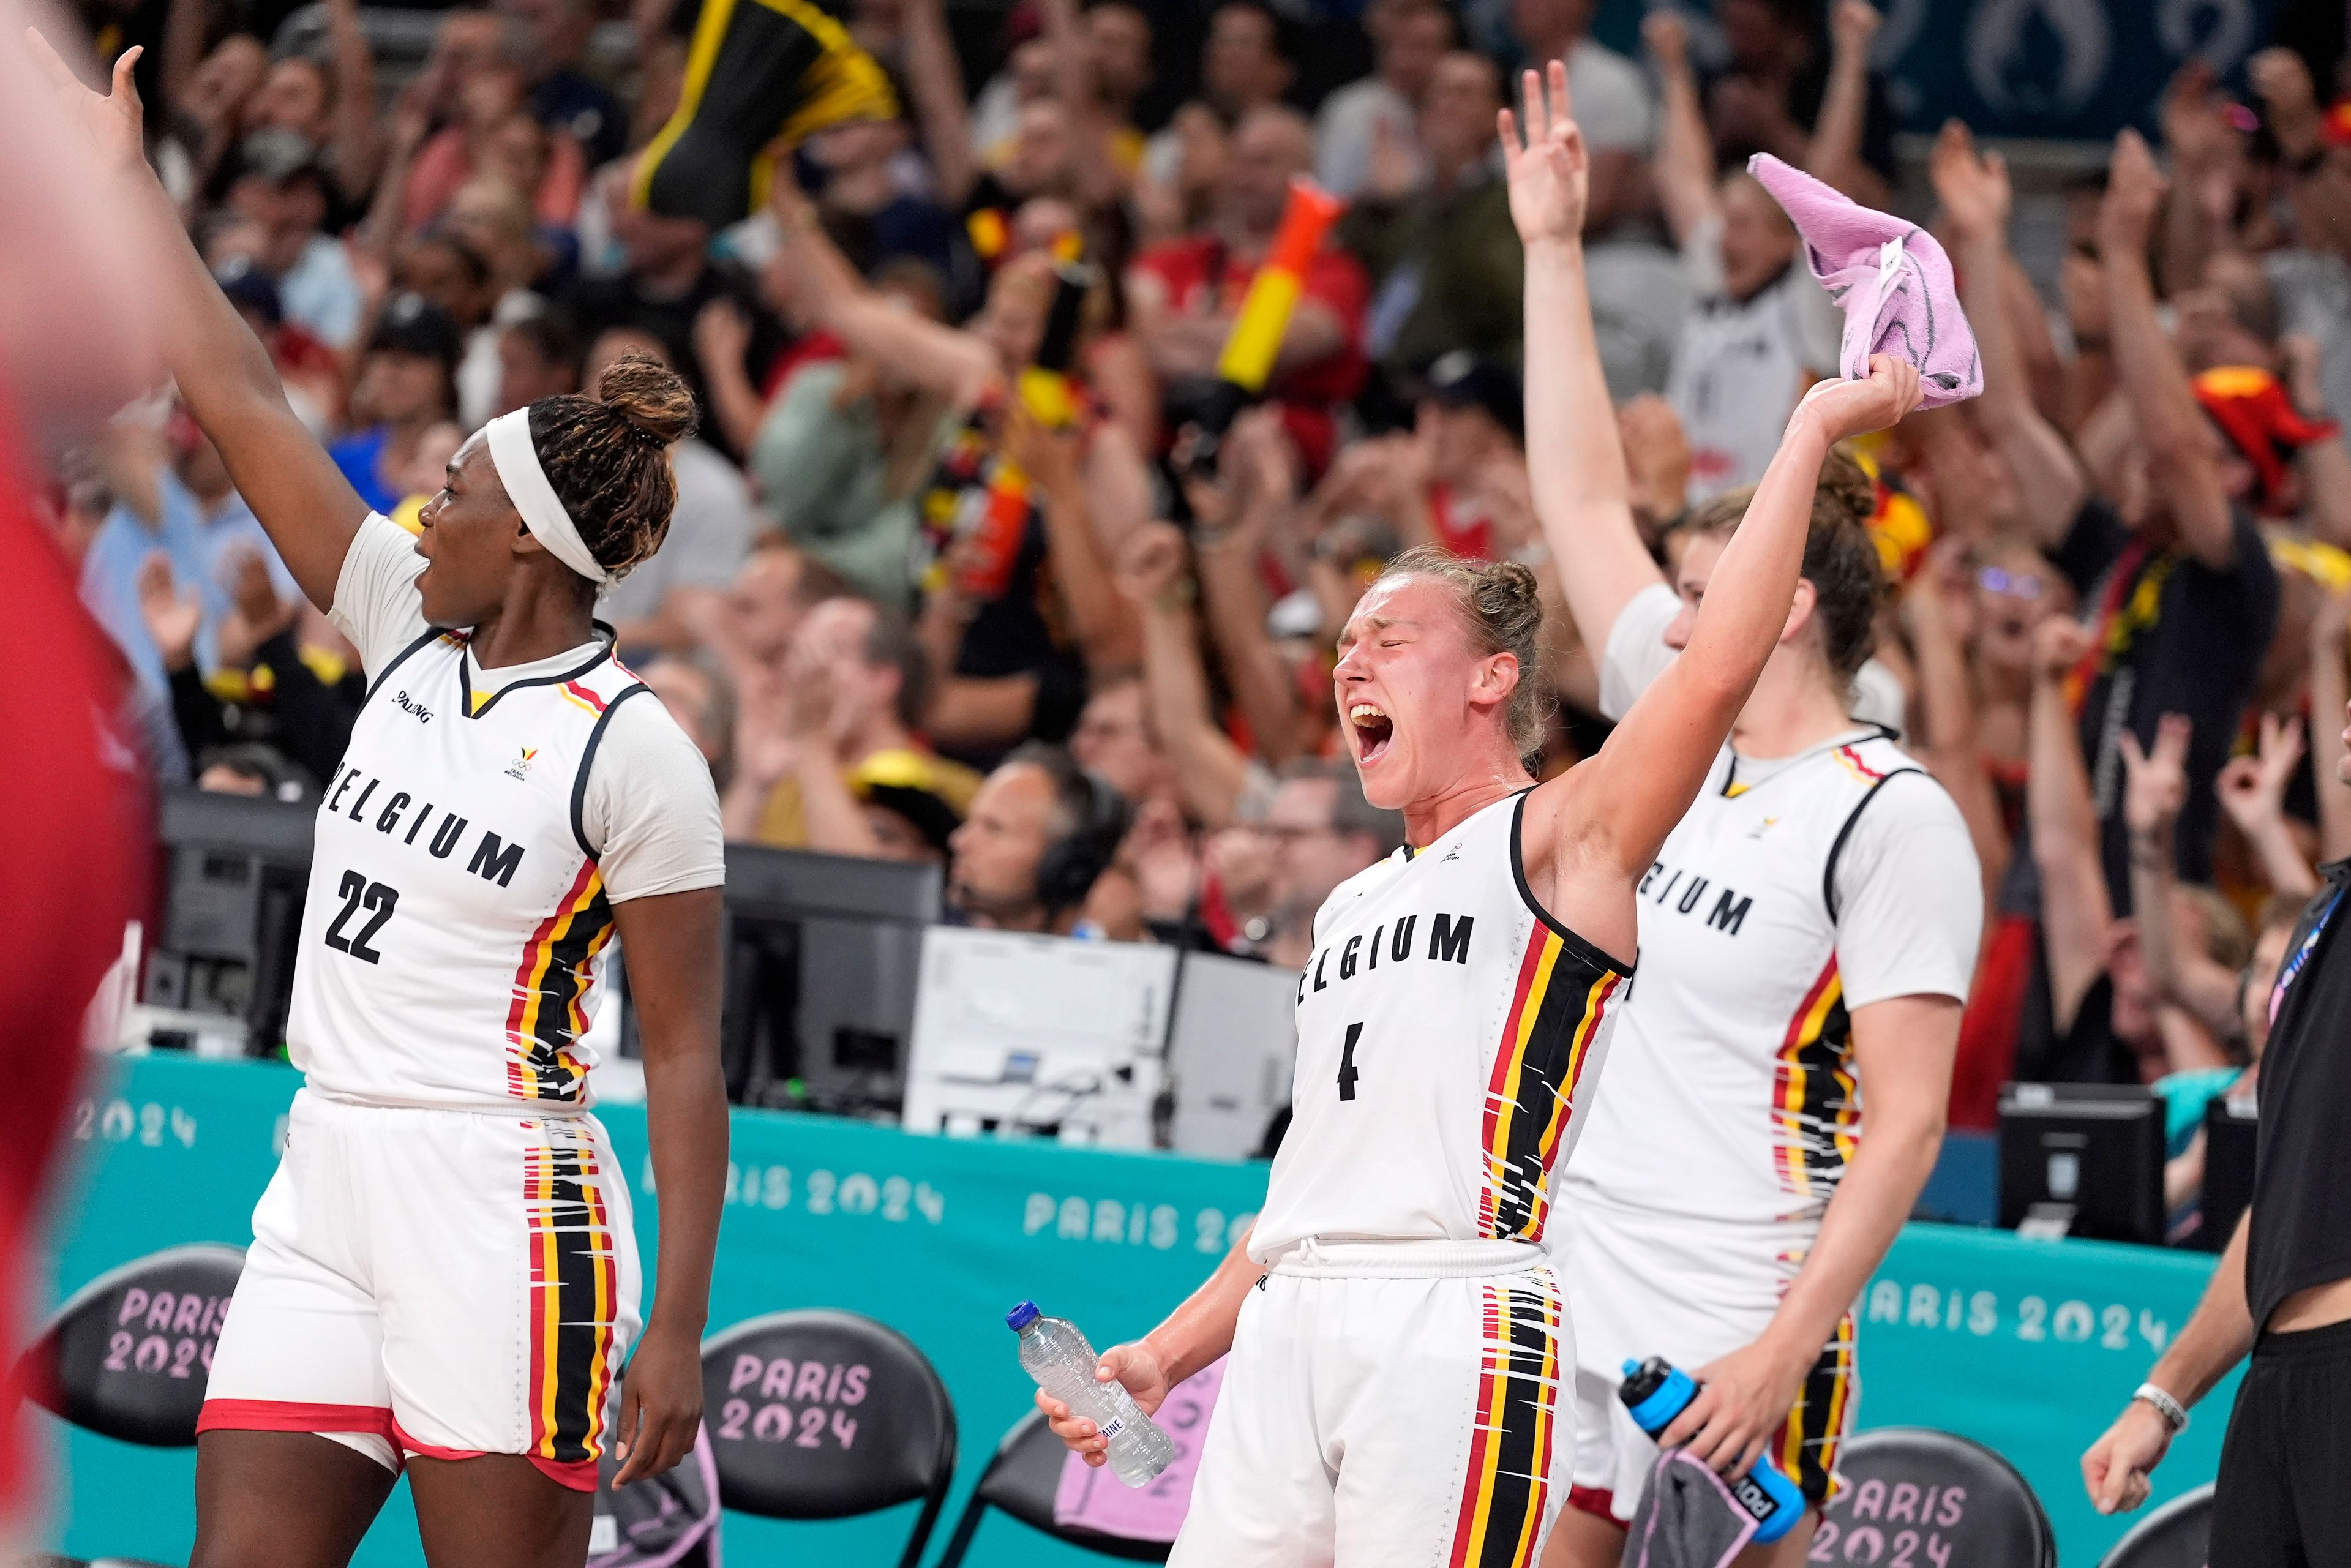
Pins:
<point x="1596" y="829"/>
<point x="1581" y="492"/>
<point x="1194" y="1336"/>
<point x="2219" y="1335"/>
<point x="302" y="499"/>
<point x="672" y="943"/>
<point x="1903" y="1047"/>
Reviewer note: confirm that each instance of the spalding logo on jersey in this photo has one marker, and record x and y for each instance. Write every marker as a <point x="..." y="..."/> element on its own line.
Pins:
<point x="1448" y="943"/>
<point x="494" y="859"/>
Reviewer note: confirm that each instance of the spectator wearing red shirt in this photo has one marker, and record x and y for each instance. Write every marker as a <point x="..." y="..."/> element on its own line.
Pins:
<point x="1182" y="295"/>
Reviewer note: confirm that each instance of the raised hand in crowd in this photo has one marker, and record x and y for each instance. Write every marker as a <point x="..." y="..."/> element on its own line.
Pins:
<point x="2251" y="790"/>
<point x="256" y="614"/>
<point x="172" y="614"/>
<point x="1551" y="173"/>
<point x="2155" y="783"/>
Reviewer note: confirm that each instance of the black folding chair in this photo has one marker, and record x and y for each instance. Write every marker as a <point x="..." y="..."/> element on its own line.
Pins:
<point x="1928" y="1485"/>
<point x="1021" y="1480"/>
<point x="827" y="1414"/>
<point x="2177" y="1535"/>
<point x="127" y="1355"/>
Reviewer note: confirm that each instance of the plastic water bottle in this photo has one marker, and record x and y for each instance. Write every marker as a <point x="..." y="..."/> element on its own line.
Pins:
<point x="1057" y="1355"/>
<point x="1655" y="1391"/>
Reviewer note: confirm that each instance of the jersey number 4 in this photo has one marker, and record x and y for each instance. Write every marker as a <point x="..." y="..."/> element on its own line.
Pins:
<point x="357" y="891"/>
<point x="1347" y="1062"/>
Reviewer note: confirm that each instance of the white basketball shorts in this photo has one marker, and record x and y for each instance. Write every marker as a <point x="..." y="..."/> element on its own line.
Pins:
<point x="448" y="1283"/>
<point x="1388" y="1404"/>
<point x="1639" y="1286"/>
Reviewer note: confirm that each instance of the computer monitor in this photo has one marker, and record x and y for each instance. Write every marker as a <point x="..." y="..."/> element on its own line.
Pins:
<point x="2228" y="1138"/>
<point x="822" y="954"/>
<point x="1033" y="1035"/>
<point x="1231" y="1051"/>
<point x="235" y="870"/>
<point x="2082" y="1159"/>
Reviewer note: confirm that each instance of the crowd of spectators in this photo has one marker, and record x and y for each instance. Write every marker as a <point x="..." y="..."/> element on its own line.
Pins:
<point x="907" y="615"/>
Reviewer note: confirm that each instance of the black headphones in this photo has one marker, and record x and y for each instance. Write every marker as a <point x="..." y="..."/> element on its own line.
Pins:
<point x="1071" y="865"/>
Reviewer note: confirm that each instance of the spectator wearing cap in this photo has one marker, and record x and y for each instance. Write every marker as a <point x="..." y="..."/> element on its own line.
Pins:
<point x="406" y="384"/>
<point x="1376" y="114"/>
<point x="1183" y="294"/>
<point x="1445" y="254"/>
<point x="829" y="746"/>
<point x="282" y="190"/>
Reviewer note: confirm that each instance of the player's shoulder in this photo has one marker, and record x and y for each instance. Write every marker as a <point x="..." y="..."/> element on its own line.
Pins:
<point x="1899" y="806"/>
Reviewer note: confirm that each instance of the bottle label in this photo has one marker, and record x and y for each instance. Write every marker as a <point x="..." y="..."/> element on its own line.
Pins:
<point x="1759" y="1503"/>
<point x="1114" y="1426"/>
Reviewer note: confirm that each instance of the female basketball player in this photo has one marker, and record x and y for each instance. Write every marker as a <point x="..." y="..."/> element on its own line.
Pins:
<point x="443" y="1272"/>
<point x="1806" y="932"/>
<point x="1392" y="1391"/>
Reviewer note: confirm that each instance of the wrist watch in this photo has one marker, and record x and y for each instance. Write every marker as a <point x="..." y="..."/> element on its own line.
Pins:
<point x="2174" y="1414"/>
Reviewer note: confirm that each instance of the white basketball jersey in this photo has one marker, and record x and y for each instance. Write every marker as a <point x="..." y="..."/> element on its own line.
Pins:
<point x="1445" y="1024"/>
<point x="1730" y="1093"/>
<point x="455" y="909"/>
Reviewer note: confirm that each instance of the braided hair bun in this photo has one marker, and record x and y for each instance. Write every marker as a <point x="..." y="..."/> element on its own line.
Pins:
<point x="608" y="456"/>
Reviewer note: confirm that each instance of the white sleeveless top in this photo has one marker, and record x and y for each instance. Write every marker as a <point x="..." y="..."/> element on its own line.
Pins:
<point x="1449" y="1035"/>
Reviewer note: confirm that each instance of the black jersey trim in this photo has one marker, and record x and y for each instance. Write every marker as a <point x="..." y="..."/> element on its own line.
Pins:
<point x="1580" y="946"/>
<point x="466" y="684"/>
<point x="431" y="634"/>
<point x="588" y="760"/>
<point x="1836" y="847"/>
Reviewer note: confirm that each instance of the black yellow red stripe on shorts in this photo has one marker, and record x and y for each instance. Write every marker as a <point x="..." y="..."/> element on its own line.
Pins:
<point x="1503" y="1495"/>
<point x="574" y="1297"/>
<point x="1806" y="1448"/>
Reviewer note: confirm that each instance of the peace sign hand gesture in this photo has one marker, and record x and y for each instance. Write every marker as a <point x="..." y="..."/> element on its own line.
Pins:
<point x="1550" y="176"/>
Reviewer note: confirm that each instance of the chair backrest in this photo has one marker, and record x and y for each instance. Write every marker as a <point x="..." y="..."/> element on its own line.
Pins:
<point x="1955" y="1499"/>
<point x="1021" y="1480"/>
<point x="824" y="1415"/>
<point x="127" y="1355"/>
<point x="2177" y="1535"/>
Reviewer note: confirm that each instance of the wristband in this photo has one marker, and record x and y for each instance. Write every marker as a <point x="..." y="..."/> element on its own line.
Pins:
<point x="2174" y="1414"/>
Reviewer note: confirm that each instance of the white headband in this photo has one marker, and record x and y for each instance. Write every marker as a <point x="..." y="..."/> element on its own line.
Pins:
<point x="517" y="461"/>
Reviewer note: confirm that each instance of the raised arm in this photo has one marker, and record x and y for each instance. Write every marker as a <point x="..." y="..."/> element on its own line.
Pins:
<point x="2075" y="912"/>
<point x="1261" y="477"/>
<point x="1834" y="155"/>
<point x="2155" y="789"/>
<point x="934" y="85"/>
<point x="302" y="499"/>
<point x="1576" y="458"/>
<point x="2162" y="399"/>
<point x="1632" y="793"/>
<point x="1682" y="168"/>
<point x="357" y="148"/>
<point x="809" y="278"/>
<point x="1074" y="552"/>
<point x="1974" y="193"/>
<point x="1946" y="739"/>
<point x="1210" y="771"/>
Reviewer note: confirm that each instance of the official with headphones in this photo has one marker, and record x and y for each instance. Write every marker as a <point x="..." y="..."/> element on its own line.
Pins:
<point x="1039" y="834"/>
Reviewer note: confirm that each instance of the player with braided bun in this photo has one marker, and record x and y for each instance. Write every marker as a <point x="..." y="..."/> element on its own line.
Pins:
<point x="1398" y="1337"/>
<point x="443" y="1277"/>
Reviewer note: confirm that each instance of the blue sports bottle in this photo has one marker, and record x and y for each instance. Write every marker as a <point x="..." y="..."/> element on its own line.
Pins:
<point x="1655" y="1391"/>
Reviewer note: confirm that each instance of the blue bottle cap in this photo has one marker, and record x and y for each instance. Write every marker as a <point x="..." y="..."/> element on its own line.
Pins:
<point x="1021" y="1316"/>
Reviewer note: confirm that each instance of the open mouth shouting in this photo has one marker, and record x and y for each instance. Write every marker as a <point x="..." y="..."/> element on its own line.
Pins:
<point x="1373" y="731"/>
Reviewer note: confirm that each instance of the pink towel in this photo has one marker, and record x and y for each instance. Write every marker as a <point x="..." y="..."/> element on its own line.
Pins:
<point x="1892" y="280"/>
